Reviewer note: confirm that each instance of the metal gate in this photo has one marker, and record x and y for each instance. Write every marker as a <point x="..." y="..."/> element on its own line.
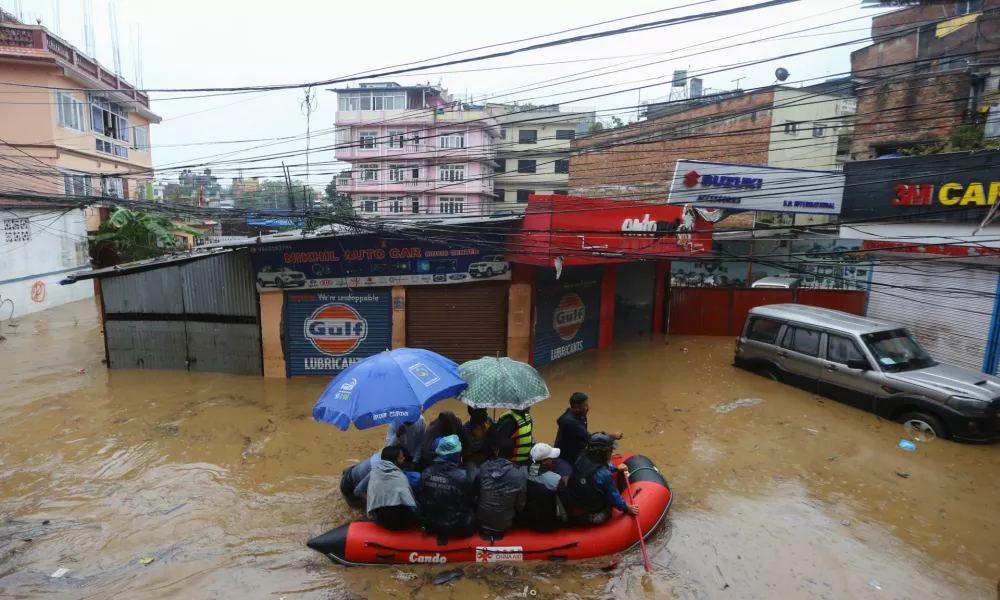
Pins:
<point x="567" y="316"/>
<point x="462" y="322"/>
<point x="635" y="288"/>
<point x="328" y="331"/>
<point x="949" y="309"/>
<point x="200" y="316"/>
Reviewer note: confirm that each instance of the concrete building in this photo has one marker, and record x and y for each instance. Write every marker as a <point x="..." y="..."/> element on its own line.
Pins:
<point x="414" y="151"/>
<point x="58" y="143"/>
<point x="533" y="152"/>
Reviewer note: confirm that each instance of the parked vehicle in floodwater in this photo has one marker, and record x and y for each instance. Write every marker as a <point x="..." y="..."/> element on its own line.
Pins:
<point x="872" y="365"/>
<point x="781" y="283"/>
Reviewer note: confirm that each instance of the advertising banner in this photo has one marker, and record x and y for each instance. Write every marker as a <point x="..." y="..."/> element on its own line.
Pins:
<point x="749" y="188"/>
<point x="369" y="261"/>
<point x="327" y="331"/>
<point x="568" y="317"/>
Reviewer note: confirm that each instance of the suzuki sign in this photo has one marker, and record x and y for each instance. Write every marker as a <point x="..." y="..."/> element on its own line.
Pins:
<point x="749" y="188"/>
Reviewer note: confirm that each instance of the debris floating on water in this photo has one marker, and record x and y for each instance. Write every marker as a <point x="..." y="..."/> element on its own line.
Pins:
<point x="447" y="576"/>
<point x="903" y="475"/>
<point x="59" y="573"/>
<point x="907" y="445"/>
<point x="145" y="561"/>
<point x="724" y="408"/>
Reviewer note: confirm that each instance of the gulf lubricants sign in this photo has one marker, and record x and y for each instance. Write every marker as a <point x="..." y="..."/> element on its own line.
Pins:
<point x="328" y="331"/>
<point x="567" y="319"/>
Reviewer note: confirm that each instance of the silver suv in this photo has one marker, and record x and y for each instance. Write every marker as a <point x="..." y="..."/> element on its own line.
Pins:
<point x="873" y="365"/>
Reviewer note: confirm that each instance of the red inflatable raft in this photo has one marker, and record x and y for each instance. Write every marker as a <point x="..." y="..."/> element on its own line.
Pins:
<point x="365" y="543"/>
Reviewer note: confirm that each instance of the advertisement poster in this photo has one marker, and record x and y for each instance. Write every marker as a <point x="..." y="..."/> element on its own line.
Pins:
<point x="568" y="317"/>
<point x="369" y="261"/>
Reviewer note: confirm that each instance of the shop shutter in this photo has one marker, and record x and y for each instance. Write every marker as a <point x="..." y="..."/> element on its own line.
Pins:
<point x="567" y="317"/>
<point x="327" y="331"/>
<point x="635" y="286"/>
<point x="462" y="322"/>
<point x="947" y="307"/>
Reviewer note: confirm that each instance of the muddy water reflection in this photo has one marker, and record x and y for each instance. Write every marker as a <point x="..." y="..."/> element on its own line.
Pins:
<point x="221" y="479"/>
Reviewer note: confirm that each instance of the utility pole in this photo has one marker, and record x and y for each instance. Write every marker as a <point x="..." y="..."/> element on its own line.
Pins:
<point x="288" y="186"/>
<point x="737" y="81"/>
<point x="308" y="105"/>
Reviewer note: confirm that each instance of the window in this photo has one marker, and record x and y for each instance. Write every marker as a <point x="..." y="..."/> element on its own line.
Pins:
<point x="382" y="100"/>
<point x="343" y="137"/>
<point x="396" y="139"/>
<point x="819" y="130"/>
<point x="804" y="341"/>
<point x="415" y="206"/>
<point x="526" y="166"/>
<point x="77" y="184"/>
<point x="113" y="187"/>
<point x="369" y="172"/>
<point x="109" y="119"/>
<point x="141" y="139"/>
<point x="453" y="139"/>
<point x="369" y="140"/>
<point x="397" y="172"/>
<point x="562" y="166"/>
<point x="451" y="205"/>
<point x="561" y="192"/>
<point x="121" y="151"/>
<point x="791" y="128"/>
<point x="16" y="230"/>
<point x="763" y="330"/>
<point x="344" y="178"/>
<point x="452" y="173"/>
<point x="416" y="173"/>
<point x="104" y="146"/>
<point x="501" y="194"/>
<point x="565" y="134"/>
<point x="369" y="204"/>
<point x="840" y="349"/>
<point x="527" y="136"/>
<point x="503" y="134"/>
<point x="502" y="168"/>
<point x="69" y="112"/>
<point x="897" y="350"/>
<point x="522" y="195"/>
<point x="395" y="204"/>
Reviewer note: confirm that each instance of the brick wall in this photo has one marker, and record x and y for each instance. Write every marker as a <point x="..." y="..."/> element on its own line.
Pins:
<point x="637" y="162"/>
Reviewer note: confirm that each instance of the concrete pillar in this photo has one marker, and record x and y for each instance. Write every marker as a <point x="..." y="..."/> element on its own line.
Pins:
<point x="398" y="317"/>
<point x="272" y="305"/>
<point x="519" y="322"/>
<point x="608" y="284"/>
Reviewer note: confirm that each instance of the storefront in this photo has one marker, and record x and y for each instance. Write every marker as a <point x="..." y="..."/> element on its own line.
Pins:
<point x="931" y="271"/>
<point x="462" y="322"/>
<point x="567" y="313"/>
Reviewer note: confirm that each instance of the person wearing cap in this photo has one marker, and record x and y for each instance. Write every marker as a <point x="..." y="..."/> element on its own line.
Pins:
<point x="502" y="488"/>
<point x="544" y="508"/>
<point x="446" y="494"/>
<point x="592" y="485"/>
<point x="573" y="435"/>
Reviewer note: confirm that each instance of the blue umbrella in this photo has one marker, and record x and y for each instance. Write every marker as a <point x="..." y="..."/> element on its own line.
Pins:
<point x="388" y="387"/>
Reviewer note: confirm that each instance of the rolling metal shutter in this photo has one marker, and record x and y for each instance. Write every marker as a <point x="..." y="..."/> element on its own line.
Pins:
<point x="567" y="316"/>
<point x="327" y="331"/>
<point x="634" y="292"/>
<point x="462" y="322"/>
<point x="947" y="307"/>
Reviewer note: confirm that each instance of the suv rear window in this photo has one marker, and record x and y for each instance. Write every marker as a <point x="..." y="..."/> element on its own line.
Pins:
<point x="804" y="341"/>
<point x="763" y="330"/>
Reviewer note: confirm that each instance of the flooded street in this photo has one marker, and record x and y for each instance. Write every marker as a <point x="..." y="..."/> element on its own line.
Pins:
<point x="221" y="480"/>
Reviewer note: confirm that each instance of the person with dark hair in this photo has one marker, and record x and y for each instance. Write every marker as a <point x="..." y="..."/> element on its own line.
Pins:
<point x="390" y="491"/>
<point x="515" y="425"/>
<point x="502" y="489"/>
<point x="546" y="499"/>
<point x="477" y="427"/>
<point x="573" y="435"/>
<point x="408" y="435"/>
<point x="446" y="423"/>
<point x="354" y="483"/>
<point x="446" y="493"/>
<point x="592" y="484"/>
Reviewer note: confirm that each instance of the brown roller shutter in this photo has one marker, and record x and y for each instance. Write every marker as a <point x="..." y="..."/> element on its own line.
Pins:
<point x="462" y="322"/>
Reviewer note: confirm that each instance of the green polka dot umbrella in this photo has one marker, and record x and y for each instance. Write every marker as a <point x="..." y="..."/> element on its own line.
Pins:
<point x="501" y="383"/>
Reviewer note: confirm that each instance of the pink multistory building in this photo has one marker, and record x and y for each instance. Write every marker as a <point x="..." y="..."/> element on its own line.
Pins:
<point x="414" y="151"/>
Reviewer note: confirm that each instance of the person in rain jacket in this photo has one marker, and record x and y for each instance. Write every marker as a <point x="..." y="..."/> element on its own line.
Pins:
<point x="446" y="424"/>
<point x="354" y="481"/>
<point x="546" y="499"/>
<point x="478" y="426"/>
<point x="592" y="484"/>
<point x="446" y="493"/>
<point x="390" y="495"/>
<point x="408" y="435"/>
<point x="502" y="488"/>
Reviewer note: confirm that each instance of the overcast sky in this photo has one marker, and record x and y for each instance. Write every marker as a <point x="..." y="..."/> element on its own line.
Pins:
<point x="228" y="43"/>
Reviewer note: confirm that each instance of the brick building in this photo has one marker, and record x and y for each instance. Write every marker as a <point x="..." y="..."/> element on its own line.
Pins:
<point x="926" y="74"/>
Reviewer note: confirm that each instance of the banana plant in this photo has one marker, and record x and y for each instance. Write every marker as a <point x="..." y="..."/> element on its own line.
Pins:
<point x="139" y="236"/>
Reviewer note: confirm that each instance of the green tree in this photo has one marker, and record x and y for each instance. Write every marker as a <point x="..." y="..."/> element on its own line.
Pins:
<point x="612" y="122"/>
<point x="337" y="202"/>
<point x="138" y="236"/>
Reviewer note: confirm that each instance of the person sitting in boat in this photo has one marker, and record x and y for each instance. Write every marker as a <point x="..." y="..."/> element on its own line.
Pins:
<point x="544" y="509"/>
<point x="446" y="424"/>
<point x="354" y="481"/>
<point x="391" y="503"/>
<point x="592" y="485"/>
<point x="408" y="435"/>
<point x="502" y="489"/>
<point x="446" y="494"/>
<point x="515" y="425"/>
<point x="573" y="435"/>
<point x="477" y="426"/>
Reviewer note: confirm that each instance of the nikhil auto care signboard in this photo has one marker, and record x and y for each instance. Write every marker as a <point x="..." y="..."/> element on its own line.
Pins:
<point x="749" y="188"/>
<point x="327" y="331"/>
<point x="567" y="316"/>
<point x="370" y="261"/>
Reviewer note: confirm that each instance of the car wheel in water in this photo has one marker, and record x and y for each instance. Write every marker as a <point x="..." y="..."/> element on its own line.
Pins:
<point x="923" y="426"/>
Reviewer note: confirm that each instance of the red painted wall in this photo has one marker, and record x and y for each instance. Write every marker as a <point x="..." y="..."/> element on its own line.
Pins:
<point x="608" y="284"/>
<point x="660" y="294"/>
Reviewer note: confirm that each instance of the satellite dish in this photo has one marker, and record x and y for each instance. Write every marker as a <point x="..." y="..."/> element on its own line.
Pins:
<point x="781" y="73"/>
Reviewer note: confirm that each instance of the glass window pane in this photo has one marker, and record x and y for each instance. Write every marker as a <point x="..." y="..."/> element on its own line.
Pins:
<point x="840" y="349"/>
<point x="802" y="340"/>
<point x="763" y="330"/>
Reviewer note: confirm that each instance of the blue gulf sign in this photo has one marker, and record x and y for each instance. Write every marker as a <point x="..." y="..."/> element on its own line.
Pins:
<point x="327" y="331"/>
<point x="567" y="319"/>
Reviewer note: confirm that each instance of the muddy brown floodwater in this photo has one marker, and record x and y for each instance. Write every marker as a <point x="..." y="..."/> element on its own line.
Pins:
<point x="221" y="480"/>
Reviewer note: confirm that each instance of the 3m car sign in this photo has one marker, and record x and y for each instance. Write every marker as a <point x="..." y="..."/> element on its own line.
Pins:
<point x="744" y="187"/>
<point x="567" y="319"/>
<point x="327" y="331"/>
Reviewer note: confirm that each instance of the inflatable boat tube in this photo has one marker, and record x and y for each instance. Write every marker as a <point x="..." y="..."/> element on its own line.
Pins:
<point x="365" y="543"/>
